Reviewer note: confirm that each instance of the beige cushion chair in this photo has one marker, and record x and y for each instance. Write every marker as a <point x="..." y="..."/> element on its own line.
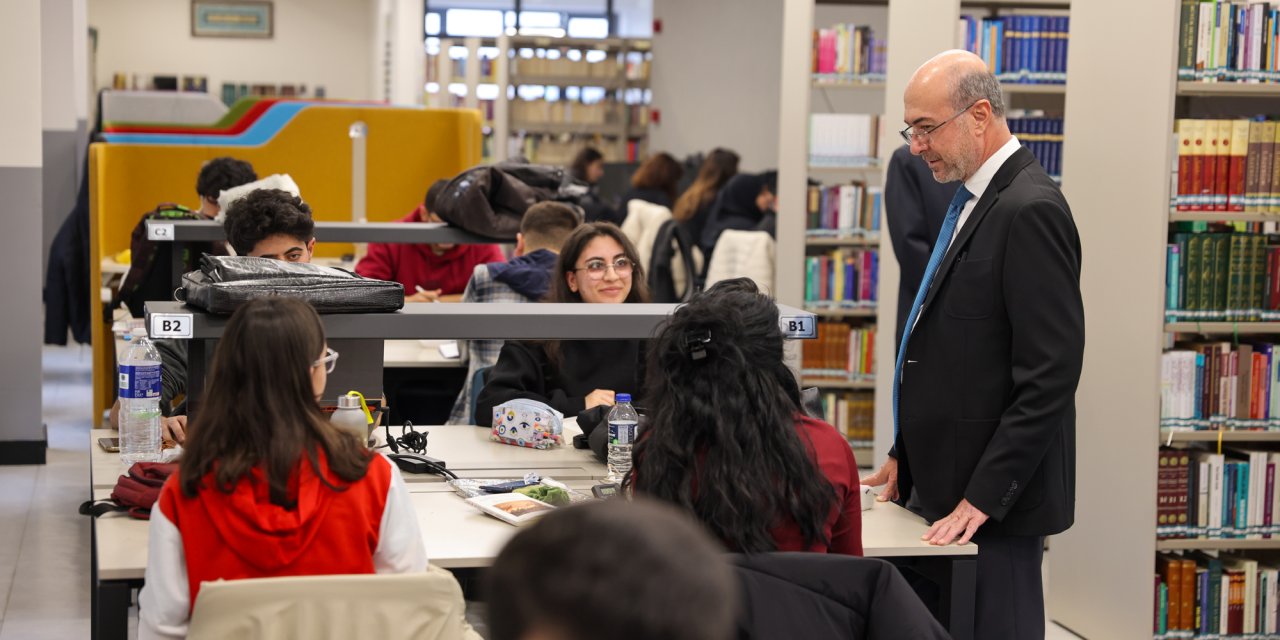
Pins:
<point x="644" y="220"/>
<point x="387" y="607"/>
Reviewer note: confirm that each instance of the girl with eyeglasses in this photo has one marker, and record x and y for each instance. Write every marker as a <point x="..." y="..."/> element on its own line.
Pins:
<point x="597" y="265"/>
<point x="266" y="486"/>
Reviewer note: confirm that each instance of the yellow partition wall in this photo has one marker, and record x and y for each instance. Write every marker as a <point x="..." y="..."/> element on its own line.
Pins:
<point x="406" y="150"/>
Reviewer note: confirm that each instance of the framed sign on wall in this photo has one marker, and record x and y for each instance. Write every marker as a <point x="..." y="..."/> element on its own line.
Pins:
<point x="232" y="19"/>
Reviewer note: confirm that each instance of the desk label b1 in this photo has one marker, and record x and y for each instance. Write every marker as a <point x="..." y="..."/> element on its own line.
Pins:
<point x="171" y="325"/>
<point x="798" y="327"/>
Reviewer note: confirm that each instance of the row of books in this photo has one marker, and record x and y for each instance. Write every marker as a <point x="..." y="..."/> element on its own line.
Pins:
<point x="844" y="278"/>
<point x="840" y="351"/>
<point x="844" y="209"/>
<point x="1043" y="137"/>
<point x="1203" y="494"/>
<point x="565" y="112"/>
<point x="1227" y="165"/>
<point x="842" y="139"/>
<point x="587" y="71"/>
<point x="1203" y="595"/>
<point x="1200" y="381"/>
<point x="1019" y="48"/>
<point x="1222" y="276"/>
<point x="848" y="51"/>
<point x="1231" y="41"/>
<point x="853" y="414"/>
<point x="555" y="150"/>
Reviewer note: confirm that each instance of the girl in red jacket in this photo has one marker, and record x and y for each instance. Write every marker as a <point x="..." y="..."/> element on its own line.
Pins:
<point x="266" y="486"/>
<point x="725" y="437"/>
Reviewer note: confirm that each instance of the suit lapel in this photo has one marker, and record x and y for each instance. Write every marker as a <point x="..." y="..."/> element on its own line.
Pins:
<point x="1004" y="176"/>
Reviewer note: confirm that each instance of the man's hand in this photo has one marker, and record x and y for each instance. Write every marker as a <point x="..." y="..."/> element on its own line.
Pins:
<point x="887" y="475"/>
<point x="424" y="295"/>
<point x="174" y="428"/>
<point x="964" y="520"/>
<point x="599" y="397"/>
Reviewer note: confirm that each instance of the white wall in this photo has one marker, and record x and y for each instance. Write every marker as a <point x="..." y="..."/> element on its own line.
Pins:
<point x="325" y="43"/>
<point x="20" y="72"/>
<point x="716" y="76"/>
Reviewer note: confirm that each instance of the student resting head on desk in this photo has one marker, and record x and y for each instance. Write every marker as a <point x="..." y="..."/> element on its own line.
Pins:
<point x="597" y="265"/>
<point x="267" y="223"/>
<point x="725" y="437"/>
<point x="266" y="486"/>
<point x="429" y="272"/>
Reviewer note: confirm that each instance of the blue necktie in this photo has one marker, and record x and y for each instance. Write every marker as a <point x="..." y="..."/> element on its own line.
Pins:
<point x="931" y="270"/>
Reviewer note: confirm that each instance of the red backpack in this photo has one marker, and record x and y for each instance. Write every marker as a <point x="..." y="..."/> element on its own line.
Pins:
<point x="134" y="493"/>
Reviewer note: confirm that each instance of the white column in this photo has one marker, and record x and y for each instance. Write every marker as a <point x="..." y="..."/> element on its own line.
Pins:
<point x="793" y="150"/>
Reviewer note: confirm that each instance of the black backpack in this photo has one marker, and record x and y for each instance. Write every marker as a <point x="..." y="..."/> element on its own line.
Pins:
<point x="672" y="243"/>
<point x="151" y="274"/>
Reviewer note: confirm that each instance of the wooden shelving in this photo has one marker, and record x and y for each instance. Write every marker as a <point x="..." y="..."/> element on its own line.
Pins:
<point x="1222" y="328"/>
<point x="831" y="312"/>
<point x="1229" y="89"/>
<point x="614" y="82"/>
<point x="842" y="241"/>
<point x="1225" y="544"/>
<point x="820" y="82"/>
<point x="836" y="383"/>
<point x="1221" y="216"/>
<point x="1213" y="436"/>
<point x="567" y="127"/>
<point x="1039" y="89"/>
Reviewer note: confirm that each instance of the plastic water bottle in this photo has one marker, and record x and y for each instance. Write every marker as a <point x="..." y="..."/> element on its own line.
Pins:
<point x="623" y="420"/>
<point x="140" y="401"/>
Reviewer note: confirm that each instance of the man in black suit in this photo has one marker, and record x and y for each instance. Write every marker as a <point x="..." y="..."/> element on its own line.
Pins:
<point x="986" y="374"/>
<point x="914" y="204"/>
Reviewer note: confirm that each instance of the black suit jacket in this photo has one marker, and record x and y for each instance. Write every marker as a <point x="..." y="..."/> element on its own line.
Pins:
<point x="987" y="405"/>
<point x="915" y="205"/>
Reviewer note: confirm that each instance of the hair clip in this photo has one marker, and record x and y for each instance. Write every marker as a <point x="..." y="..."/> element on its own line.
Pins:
<point x="696" y="341"/>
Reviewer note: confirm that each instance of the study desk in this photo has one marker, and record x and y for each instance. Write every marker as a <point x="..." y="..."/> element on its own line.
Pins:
<point x="458" y="536"/>
<point x="410" y="354"/>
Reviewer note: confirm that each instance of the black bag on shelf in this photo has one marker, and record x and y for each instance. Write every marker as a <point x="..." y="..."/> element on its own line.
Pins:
<point x="490" y="200"/>
<point x="223" y="283"/>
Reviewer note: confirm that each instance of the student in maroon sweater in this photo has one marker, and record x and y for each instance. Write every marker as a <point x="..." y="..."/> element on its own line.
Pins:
<point x="725" y="437"/>
<point x="429" y="272"/>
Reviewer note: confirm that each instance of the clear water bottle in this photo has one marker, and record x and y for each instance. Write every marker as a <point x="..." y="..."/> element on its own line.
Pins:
<point x="623" y="420"/>
<point x="140" y="400"/>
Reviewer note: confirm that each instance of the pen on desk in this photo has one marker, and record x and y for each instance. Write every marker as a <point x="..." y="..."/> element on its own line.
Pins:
<point x="421" y="290"/>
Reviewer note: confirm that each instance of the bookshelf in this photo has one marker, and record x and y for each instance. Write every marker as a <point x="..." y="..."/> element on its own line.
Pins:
<point x="1223" y="328"/>
<point x="1235" y="544"/>
<point x="1229" y="89"/>
<point x="1175" y="435"/>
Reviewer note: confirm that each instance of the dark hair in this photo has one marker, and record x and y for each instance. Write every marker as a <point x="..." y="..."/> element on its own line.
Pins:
<point x="264" y="213"/>
<point x="433" y="195"/>
<point x="583" y="160"/>
<point x="720" y="165"/>
<point x="220" y="174"/>
<point x="259" y="409"/>
<point x="660" y="172"/>
<point x="547" y="224"/>
<point x="624" y="570"/>
<point x="573" y="247"/>
<point x="725" y="423"/>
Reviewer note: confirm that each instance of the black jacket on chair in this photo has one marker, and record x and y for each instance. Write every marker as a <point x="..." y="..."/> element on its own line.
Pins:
<point x="816" y="596"/>
<point x="987" y="402"/>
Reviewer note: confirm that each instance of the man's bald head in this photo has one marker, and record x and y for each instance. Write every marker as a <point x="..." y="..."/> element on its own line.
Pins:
<point x="961" y="78"/>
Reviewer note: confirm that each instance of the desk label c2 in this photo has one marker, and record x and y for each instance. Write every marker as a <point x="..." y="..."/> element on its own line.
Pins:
<point x="160" y="231"/>
<point x="171" y="325"/>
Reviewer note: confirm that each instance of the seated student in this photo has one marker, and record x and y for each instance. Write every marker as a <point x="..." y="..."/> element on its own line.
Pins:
<point x="744" y="204"/>
<point x="597" y="264"/>
<point x="429" y="272"/>
<point x="725" y="437"/>
<point x="524" y="278"/>
<point x="266" y="486"/>
<point x="656" y="181"/>
<point x="694" y="206"/>
<point x="267" y="223"/>
<point x="628" y="570"/>
<point x="588" y="166"/>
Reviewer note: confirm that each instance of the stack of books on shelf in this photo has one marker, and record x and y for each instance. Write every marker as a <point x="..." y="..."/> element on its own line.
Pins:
<point x="565" y="67"/>
<point x="842" y="139"/>
<point x="1221" y="41"/>
<point x="853" y="414"/>
<point x="535" y="112"/>
<point x="1023" y="49"/>
<point x="1227" y="165"/>
<point x="844" y="210"/>
<point x="841" y="352"/>
<point x="1206" y="495"/>
<point x="848" y="53"/>
<point x="1222" y="274"/>
<point x="1214" y="385"/>
<point x="842" y="279"/>
<point x="1043" y="137"/>
<point x="1204" y="595"/>
<point x="638" y="69"/>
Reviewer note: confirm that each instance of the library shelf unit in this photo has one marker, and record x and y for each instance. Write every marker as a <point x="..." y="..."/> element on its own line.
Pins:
<point x="871" y="240"/>
<point x="841" y="312"/>
<point x="837" y="383"/>
<point x="1218" y="544"/>
<point x="1224" y="435"/>
<point x="1016" y="88"/>
<point x="1229" y="89"/>
<point x="1215" y="216"/>
<point x="1223" y="328"/>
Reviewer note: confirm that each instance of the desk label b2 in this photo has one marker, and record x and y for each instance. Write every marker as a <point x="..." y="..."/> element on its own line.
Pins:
<point x="798" y="327"/>
<point x="171" y="325"/>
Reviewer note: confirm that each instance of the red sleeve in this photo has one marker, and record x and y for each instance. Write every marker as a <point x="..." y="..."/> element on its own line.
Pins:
<point x="379" y="263"/>
<point x="846" y="533"/>
<point x="489" y="253"/>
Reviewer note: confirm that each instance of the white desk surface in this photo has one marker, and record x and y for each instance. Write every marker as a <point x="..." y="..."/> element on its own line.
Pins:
<point x="402" y="354"/>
